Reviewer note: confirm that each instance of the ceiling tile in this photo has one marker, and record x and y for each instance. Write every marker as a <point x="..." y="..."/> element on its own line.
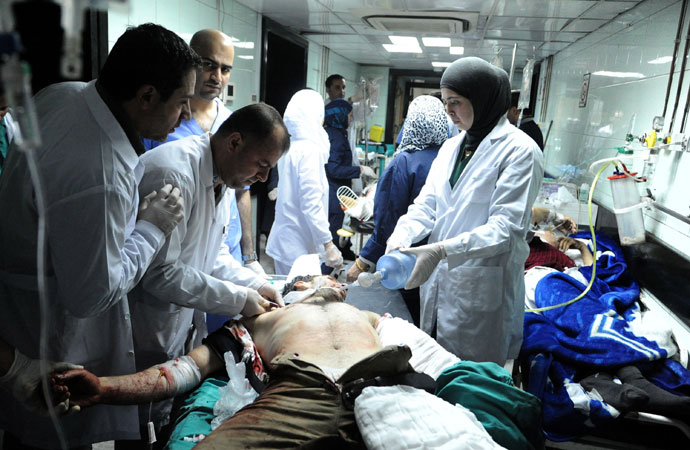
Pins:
<point x="284" y="7"/>
<point x="607" y="10"/>
<point x="584" y="25"/>
<point x="540" y="27"/>
<point x="544" y="8"/>
<point x="526" y="23"/>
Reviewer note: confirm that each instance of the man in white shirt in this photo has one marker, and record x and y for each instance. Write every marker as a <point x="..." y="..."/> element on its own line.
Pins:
<point x="194" y="271"/>
<point x="99" y="236"/>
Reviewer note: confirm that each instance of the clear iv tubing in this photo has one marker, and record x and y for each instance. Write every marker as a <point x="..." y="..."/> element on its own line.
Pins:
<point x="594" y="247"/>
<point x="16" y="78"/>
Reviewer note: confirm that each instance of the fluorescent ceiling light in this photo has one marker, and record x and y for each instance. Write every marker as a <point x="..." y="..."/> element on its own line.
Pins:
<point x="404" y="41"/>
<point x="457" y="50"/>
<point x="436" y="41"/>
<point x="440" y="64"/>
<point x="606" y="73"/>
<point x="661" y="60"/>
<point x="245" y="56"/>
<point x="240" y="44"/>
<point x="392" y="48"/>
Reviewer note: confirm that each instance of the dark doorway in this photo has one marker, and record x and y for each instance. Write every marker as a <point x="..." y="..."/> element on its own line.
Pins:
<point x="283" y="64"/>
<point x="283" y="72"/>
<point x="38" y="24"/>
<point x="401" y="83"/>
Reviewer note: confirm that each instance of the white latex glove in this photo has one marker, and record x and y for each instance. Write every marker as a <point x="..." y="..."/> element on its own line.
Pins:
<point x="334" y="258"/>
<point x="255" y="304"/>
<point x="273" y="194"/>
<point x="23" y="380"/>
<point x="164" y="209"/>
<point x="366" y="171"/>
<point x="428" y="257"/>
<point x="397" y="241"/>
<point x="267" y="290"/>
<point x="255" y="267"/>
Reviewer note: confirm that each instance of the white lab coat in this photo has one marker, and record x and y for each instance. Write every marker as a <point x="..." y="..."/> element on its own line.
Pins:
<point x="95" y="255"/>
<point x="476" y="295"/>
<point x="300" y="226"/>
<point x="194" y="270"/>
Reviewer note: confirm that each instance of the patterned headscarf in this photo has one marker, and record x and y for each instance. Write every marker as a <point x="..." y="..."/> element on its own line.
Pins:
<point x="336" y="113"/>
<point x="425" y="126"/>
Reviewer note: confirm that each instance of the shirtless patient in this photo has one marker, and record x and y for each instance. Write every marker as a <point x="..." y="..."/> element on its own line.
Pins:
<point x="310" y="350"/>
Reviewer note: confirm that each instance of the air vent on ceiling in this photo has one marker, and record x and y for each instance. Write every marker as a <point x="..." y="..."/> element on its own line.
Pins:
<point x="418" y="22"/>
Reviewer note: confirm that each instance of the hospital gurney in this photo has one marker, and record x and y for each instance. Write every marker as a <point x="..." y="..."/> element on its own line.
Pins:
<point x="476" y="405"/>
<point x="605" y="332"/>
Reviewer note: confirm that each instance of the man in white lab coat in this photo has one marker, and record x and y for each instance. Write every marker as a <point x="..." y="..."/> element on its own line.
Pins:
<point x="194" y="270"/>
<point x="476" y="208"/>
<point x="97" y="245"/>
<point x="208" y="113"/>
<point x="301" y="221"/>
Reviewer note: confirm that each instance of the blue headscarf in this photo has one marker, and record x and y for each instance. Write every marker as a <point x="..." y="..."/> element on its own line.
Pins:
<point x="336" y="113"/>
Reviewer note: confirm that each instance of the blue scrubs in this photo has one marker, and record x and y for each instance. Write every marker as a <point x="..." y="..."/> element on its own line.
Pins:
<point x="396" y="190"/>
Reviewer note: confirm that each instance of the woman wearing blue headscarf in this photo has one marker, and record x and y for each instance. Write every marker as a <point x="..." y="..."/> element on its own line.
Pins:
<point x="425" y="130"/>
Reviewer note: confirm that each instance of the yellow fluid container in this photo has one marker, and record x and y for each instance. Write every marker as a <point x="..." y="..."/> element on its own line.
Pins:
<point x="376" y="133"/>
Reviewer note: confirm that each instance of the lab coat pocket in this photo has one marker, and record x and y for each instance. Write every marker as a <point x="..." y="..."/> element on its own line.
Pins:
<point x="481" y="185"/>
<point x="479" y="287"/>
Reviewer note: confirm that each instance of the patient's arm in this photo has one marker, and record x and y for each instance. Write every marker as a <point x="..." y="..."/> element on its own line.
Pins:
<point x="155" y="383"/>
<point x="567" y="243"/>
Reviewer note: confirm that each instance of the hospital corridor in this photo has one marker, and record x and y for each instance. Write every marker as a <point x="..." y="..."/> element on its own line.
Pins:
<point x="351" y="224"/>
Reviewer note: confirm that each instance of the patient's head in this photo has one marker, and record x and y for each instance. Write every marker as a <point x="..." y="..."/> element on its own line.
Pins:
<point x="305" y="282"/>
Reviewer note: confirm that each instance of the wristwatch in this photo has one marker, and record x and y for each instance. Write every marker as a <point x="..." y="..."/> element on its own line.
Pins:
<point x="249" y="258"/>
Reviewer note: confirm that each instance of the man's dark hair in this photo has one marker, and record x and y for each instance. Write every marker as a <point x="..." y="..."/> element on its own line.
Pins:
<point x="514" y="97"/>
<point x="147" y="54"/>
<point x="289" y="287"/>
<point x="332" y="78"/>
<point x="256" y="121"/>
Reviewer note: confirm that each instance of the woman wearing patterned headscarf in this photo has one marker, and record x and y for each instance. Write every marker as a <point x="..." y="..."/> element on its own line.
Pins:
<point x="475" y="209"/>
<point x="426" y="128"/>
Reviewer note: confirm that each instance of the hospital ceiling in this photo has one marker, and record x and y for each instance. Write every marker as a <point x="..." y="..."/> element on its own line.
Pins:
<point x="539" y="27"/>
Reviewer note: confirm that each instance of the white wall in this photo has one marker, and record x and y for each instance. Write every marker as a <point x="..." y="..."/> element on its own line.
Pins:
<point x="580" y="136"/>
<point x="185" y="17"/>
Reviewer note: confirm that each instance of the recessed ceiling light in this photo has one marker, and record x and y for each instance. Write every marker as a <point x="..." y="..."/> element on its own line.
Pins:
<point x="440" y="64"/>
<point x="457" y="50"/>
<point x="404" y="40"/>
<point x="240" y="44"/>
<point x="392" y="48"/>
<point x="436" y="41"/>
<point x="606" y="73"/>
<point x="661" y="60"/>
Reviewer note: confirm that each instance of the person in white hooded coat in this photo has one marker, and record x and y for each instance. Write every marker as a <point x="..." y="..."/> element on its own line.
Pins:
<point x="301" y="220"/>
<point x="476" y="208"/>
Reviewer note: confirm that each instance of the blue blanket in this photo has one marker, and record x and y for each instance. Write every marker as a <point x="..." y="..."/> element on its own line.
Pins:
<point x="566" y="344"/>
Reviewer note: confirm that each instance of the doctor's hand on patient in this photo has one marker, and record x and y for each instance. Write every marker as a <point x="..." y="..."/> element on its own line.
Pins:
<point x="164" y="208"/>
<point x="266" y="298"/>
<point x="23" y="380"/>
<point x="428" y="257"/>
